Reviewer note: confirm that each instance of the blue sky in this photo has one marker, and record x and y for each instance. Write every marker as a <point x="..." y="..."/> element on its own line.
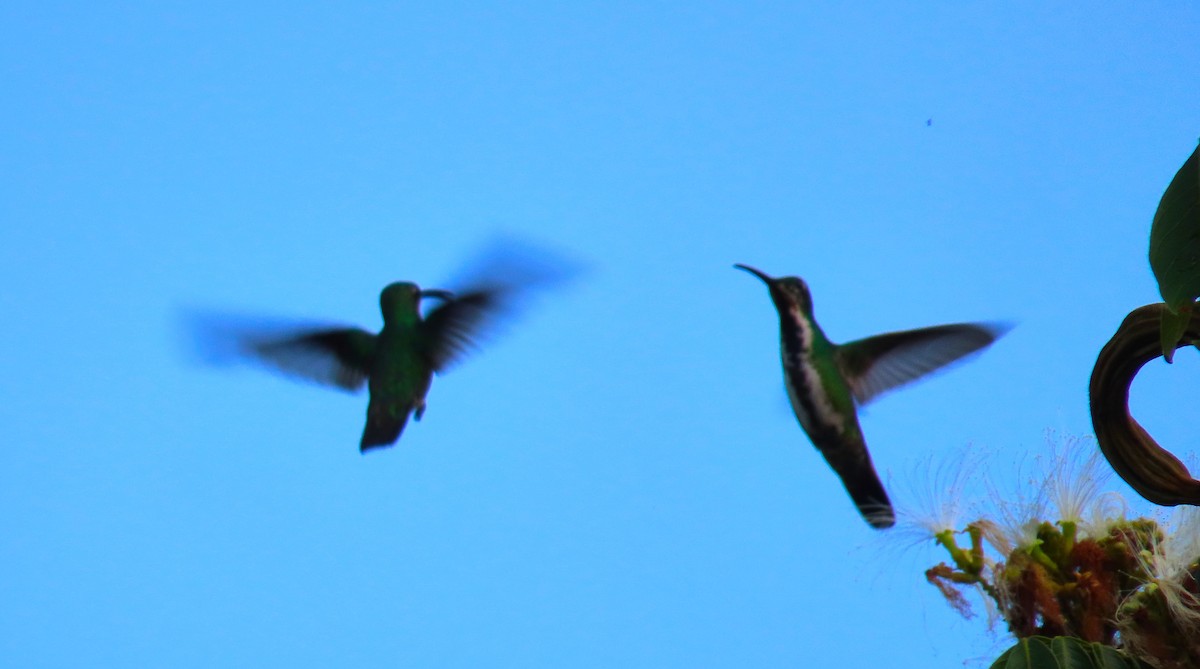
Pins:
<point x="617" y="481"/>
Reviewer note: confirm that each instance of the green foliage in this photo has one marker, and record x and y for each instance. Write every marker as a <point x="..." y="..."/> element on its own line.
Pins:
<point x="1175" y="250"/>
<point x="1174" y="325"/>
<point x="1064" y="653"/>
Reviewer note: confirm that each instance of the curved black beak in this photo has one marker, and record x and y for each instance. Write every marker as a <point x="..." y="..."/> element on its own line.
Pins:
<point x="766" y="279"/>
<point x="443" y="295"/>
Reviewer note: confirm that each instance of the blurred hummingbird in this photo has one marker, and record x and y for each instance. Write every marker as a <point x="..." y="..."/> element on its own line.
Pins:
<point x="396" y="364"/>
<point x="826" y="382"/>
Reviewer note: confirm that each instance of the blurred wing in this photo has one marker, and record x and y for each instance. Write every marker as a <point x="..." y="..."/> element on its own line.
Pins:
<point x="340" y="358"/>
<point x="875" y="365"/>
<point x="499" y="282"/>
<point x="454" y="327"/>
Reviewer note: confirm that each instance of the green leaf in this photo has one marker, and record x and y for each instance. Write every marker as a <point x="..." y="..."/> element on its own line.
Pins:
<point x="1174" y="324"/>
<point x="1064" y="652"/>
<point x="1175" y="237"/>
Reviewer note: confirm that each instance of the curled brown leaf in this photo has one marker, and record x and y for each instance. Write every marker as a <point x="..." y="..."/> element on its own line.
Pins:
<point x="1147" y="467"/>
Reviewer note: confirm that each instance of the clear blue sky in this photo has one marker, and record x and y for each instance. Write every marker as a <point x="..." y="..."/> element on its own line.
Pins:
<point x="617" y="482"/>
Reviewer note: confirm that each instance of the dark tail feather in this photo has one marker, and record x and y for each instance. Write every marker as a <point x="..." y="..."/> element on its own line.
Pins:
<point x="871" y="499"/>
<point x="383" y="427"/>
<point x="861" y="481"/>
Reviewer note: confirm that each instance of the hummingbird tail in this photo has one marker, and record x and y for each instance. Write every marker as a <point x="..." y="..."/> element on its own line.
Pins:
<point x="868" y="494"/>
<point x="878" y="516"/>
<point x="383" y="426"/>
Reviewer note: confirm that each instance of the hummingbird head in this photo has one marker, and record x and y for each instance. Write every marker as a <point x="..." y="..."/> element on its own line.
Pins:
<point x="788" y="291"/>
<point x="400" y="296"/>
<point x="403" y="296"/>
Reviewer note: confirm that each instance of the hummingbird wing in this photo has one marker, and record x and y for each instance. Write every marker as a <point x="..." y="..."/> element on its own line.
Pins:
<point x="499" y="284"/>
<point x="453" y="328"/>
<point x="875" y="365"/>
<point x="337" y="357"/>
<point x="334" y="356"/>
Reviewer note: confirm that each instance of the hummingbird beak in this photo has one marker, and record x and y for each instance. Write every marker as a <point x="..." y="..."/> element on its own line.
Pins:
<point x="766" y="279"/>
<point x="444" y="295"/>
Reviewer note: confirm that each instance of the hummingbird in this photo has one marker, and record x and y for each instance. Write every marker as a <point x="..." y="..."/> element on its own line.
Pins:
<point x="397" y="363"/>
<point x="827" y="382"/>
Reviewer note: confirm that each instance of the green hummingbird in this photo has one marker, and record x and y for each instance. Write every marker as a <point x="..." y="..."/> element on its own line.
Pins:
<point x="396" y="364"/>
<point x="826" y="382"/>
